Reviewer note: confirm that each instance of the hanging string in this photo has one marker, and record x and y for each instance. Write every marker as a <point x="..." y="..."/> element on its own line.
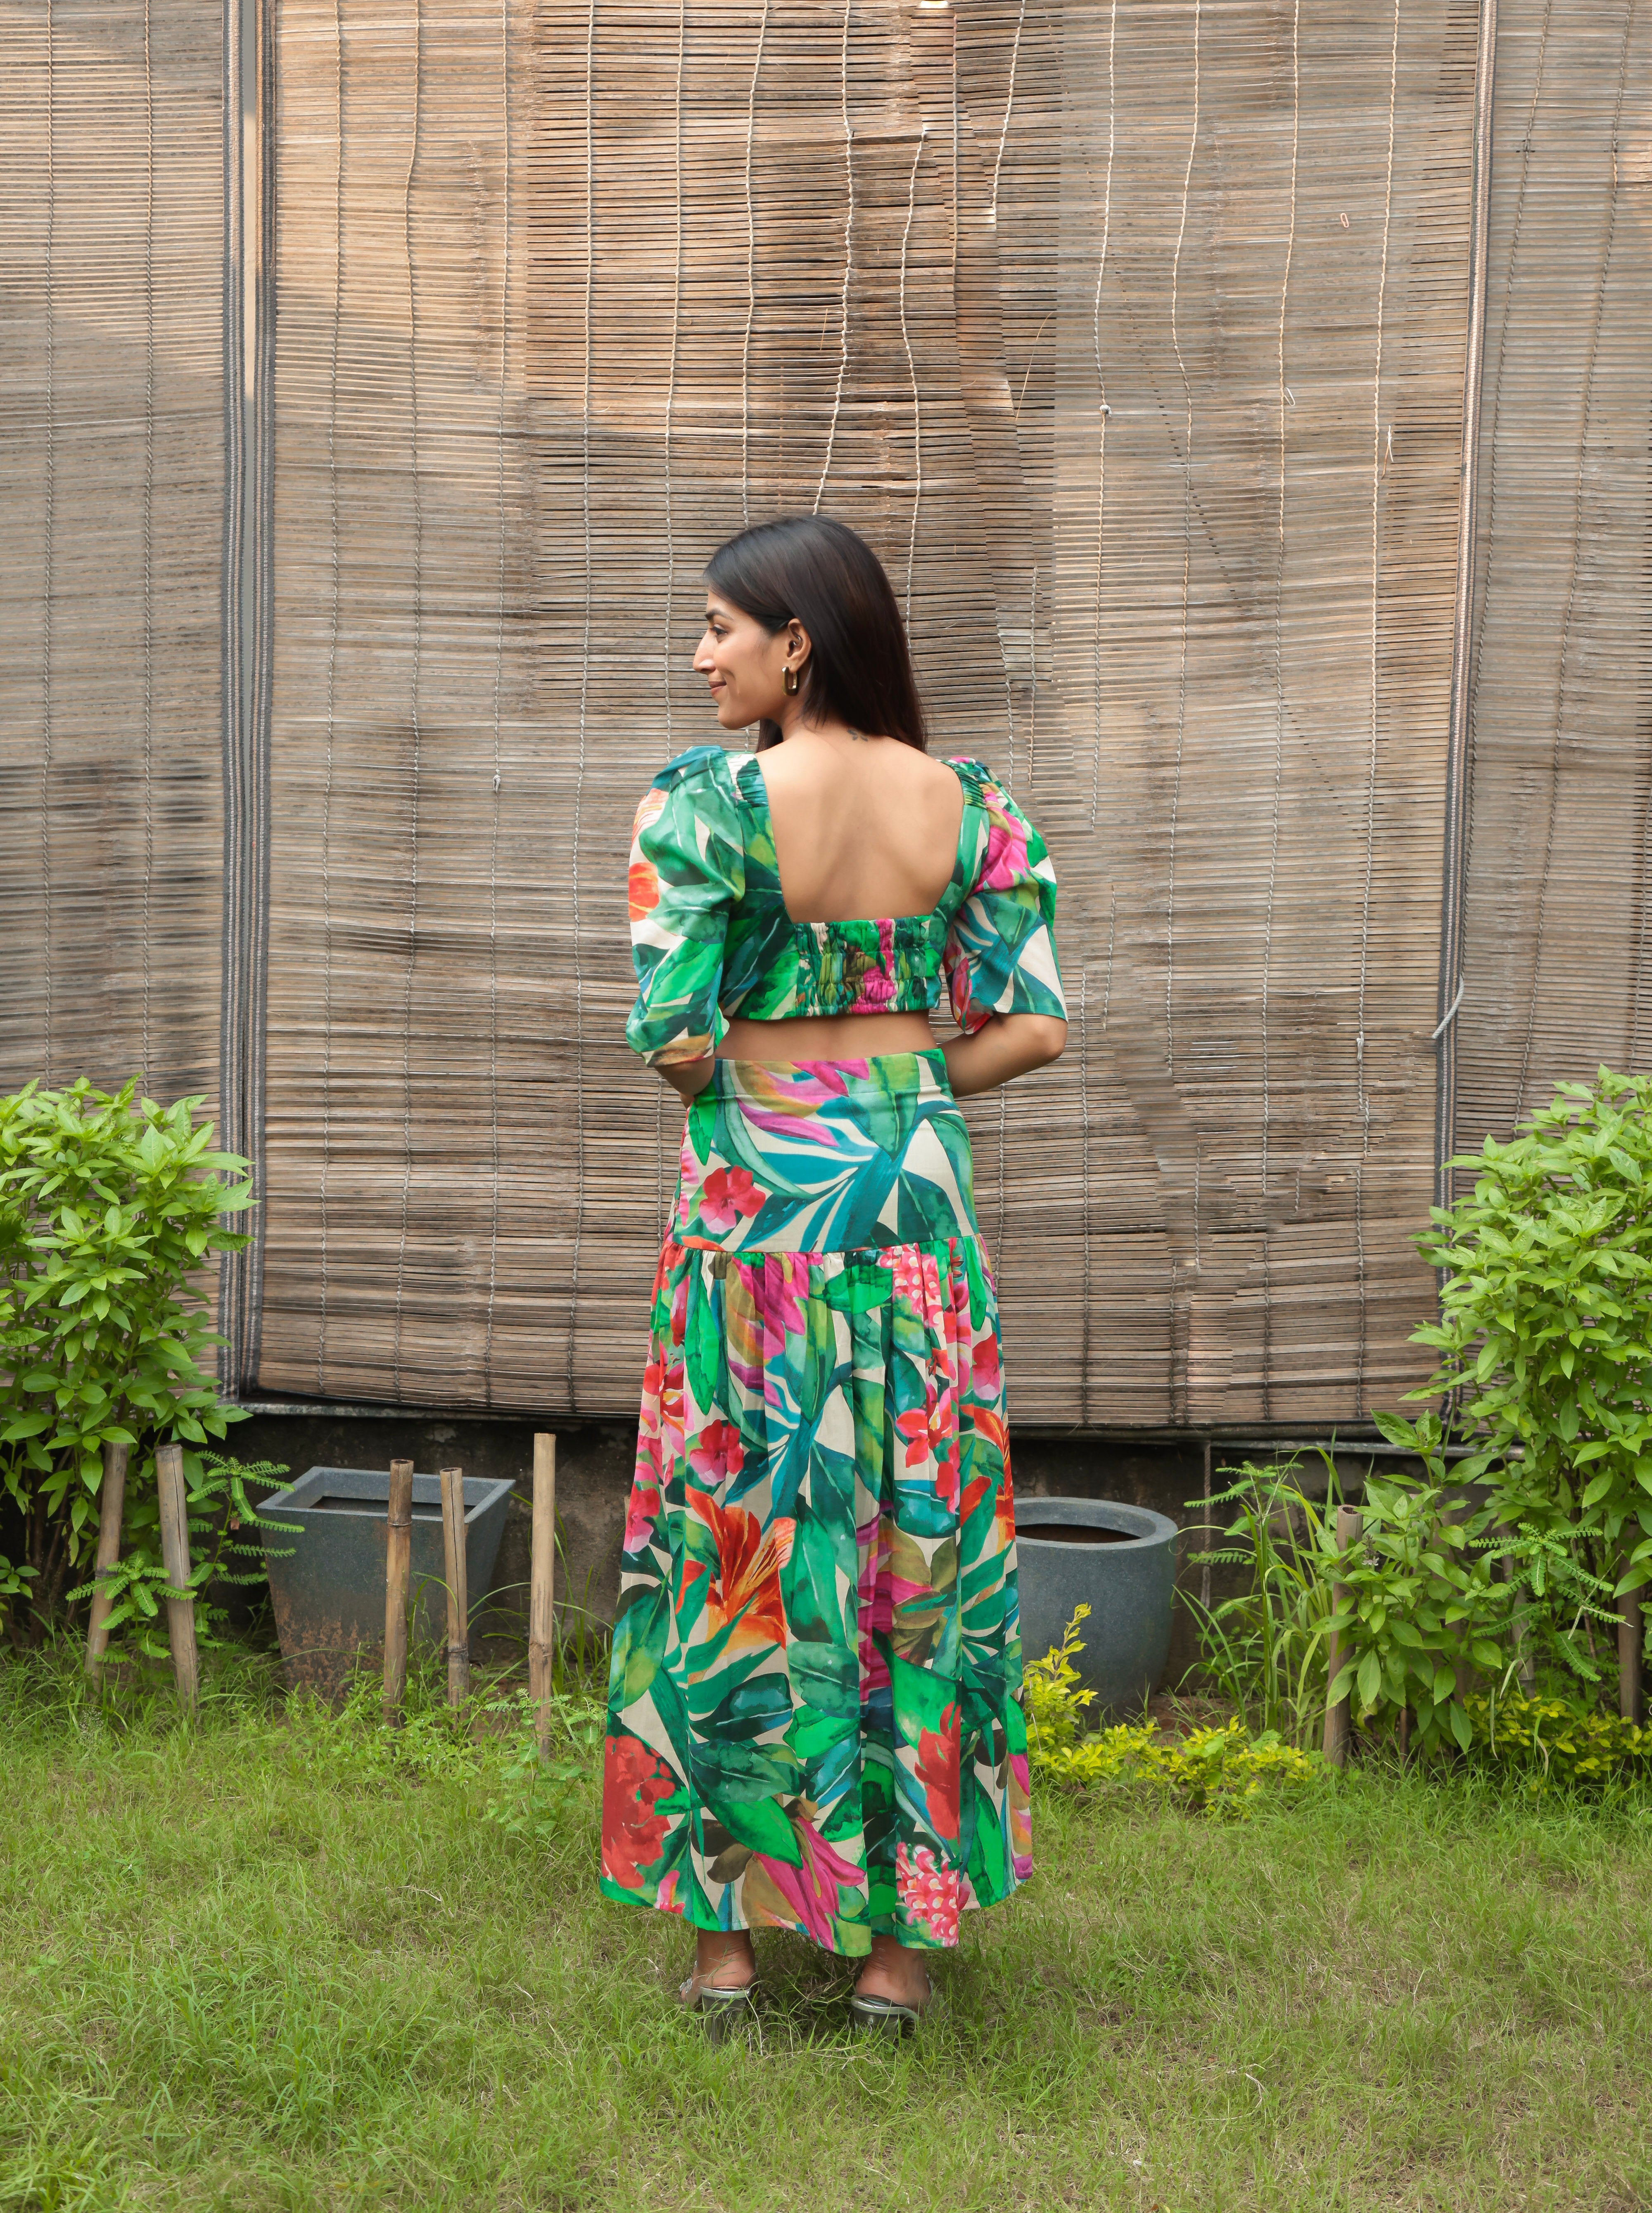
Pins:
<point x="1571" y="582"/>
<point x="148" y="520"/>
<point x="1102" y="412"/>
<point x="418" y="622"/>
<point x="48" y="604"/>
<point x="585" y="694"/>
<point x="1365" y="1102"/>
<point x="498" y="682"/>
<point x="1009" y="110"/>
<point x="1489" y="532"/>
<point x="912" y="371"/>
<point x="849" y="257"/>
<point x="1186" y="557"/>
<point x="671" y="373"/>
<point x="1283" y="404"/>
<point x="1376" y="511"/>
<point x="331" y="693"/>
<point x="751" y="281"/>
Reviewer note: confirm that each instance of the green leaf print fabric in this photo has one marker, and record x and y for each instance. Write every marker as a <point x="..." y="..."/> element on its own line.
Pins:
<point x="815" y="1717"/>
<point x="814" y="1713"/>
<point x="710" y="936"/>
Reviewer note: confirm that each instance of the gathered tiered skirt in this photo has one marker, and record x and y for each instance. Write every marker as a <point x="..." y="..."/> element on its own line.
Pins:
<point x="813" y="1710"/>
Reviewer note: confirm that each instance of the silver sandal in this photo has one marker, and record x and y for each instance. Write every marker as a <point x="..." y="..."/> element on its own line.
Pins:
<point x="888" y="2016"/>
<point x="722" y="2011"/>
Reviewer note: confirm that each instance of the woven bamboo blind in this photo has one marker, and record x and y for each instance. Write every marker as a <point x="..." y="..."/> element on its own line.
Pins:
<point x="110" y="541"/>
<point x="1133" y="336"/>
<point x="1556" y="966"/>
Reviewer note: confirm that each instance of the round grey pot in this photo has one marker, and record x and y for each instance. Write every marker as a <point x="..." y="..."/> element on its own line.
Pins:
<point x="1129" y="1587"/>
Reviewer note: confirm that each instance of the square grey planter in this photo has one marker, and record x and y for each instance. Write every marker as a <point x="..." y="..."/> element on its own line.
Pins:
<point x="328" y="1590"/>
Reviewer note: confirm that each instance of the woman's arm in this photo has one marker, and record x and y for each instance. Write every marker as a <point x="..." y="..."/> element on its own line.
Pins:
<point x="687" y="1078"/>
<point x="1005" y="1046"/>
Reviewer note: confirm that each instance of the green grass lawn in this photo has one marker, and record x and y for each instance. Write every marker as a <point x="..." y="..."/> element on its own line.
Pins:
<point x="249" y="1965"/>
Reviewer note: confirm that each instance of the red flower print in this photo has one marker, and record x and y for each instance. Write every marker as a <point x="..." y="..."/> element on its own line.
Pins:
<point x="937" y="1771"/>
<point x="642" y="889"/>
<point x="928" y="1891"/>
<point x="634" y="1779"/>
<point x="727" y="1196"/>
<point x="929" y="1435"/>
<point x="718" y="1451"/>
<point x="745" y="1595"/>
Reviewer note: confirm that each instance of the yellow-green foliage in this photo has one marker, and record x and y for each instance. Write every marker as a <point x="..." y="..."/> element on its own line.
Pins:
<point x="1212" y="1769"/>
<point x="1561" y="1744"/>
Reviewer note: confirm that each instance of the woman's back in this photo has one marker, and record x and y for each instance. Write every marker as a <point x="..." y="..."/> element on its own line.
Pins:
<point x="864" y="828"/>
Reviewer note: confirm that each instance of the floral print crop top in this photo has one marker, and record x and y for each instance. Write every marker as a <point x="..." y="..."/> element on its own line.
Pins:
<point x="710" y="936"/>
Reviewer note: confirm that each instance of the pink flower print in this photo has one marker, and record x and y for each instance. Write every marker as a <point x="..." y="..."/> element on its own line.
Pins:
<point x="928" y="1891"/>
<point x="728" y="1195"/>
<point x="906" y="1267"/>
<point x="985" y="1374"/>
<point x="641" y="1514"/>
<point x="718" y="1451"/>
<point x="666" y="1898"/>
<point x="1021" y="1817"/>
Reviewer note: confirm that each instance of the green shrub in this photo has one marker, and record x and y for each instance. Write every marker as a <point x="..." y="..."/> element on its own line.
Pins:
<point x="1545" y="1325"/>
<point x="111" y="1207"/>
<point x="1556" y="1743"/>
<point x="1212" y="1771"/>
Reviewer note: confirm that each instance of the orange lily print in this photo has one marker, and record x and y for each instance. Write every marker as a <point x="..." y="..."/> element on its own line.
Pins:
<point x="743" y="1604"/>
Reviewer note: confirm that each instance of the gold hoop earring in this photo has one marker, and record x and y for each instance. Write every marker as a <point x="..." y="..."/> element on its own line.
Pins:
<point x="789" y="681"/>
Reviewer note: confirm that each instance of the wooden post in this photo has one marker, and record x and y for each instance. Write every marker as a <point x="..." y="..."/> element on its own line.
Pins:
<point x="1339" y="1719"/>
<point x="397" y="1561"/>
<point x="541" y="1615"/>
<point x="453" y="1569"/>
<point x="111" y="1499"/>
<point x="1630" y="1625"/>
<point x="174" y="1552"/>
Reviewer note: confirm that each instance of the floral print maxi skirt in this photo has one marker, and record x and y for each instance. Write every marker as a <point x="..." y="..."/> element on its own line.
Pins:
<point x="813" y="1708"/>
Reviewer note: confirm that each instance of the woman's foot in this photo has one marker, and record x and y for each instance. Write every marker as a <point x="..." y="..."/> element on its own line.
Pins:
<point x="722" y="1961"/>
<point x="895" y="1972"/>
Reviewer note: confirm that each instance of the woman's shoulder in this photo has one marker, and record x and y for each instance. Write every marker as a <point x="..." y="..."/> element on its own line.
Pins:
<point x="981" y="783"/>
<point x="709" y="765"/>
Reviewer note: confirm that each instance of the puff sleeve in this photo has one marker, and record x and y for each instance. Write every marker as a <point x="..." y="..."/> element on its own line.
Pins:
<point x="1000" y="956"/>
<point x="687" y="872"/>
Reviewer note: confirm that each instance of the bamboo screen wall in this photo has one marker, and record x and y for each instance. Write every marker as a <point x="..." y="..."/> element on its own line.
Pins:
<point x="110" y="541"/>
<point x="1557" y="967"/>
<point x="559" y="310"/>
<point x="1134" y="336"/>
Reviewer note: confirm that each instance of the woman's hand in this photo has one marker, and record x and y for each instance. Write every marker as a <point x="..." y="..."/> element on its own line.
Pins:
<point x="687" y="1078"/>
<point x="1008" y="1045"/>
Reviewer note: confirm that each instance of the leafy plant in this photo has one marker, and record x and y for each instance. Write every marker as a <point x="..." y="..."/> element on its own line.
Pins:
<point x="109" y="1208"/>
<point x="532" y="1793"/>
<point x="1210" y="1771"/>
<point x="1546" y="1323"/>
<point x="1556" y="1742"/>
<point x="1423" y="1604"/>
<point x="218" y="1509"/>
<point x="1263" y="1650"/>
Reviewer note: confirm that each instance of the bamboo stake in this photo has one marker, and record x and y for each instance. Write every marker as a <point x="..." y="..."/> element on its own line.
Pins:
<point x="111" y="1499"/>
<point x="174" y="1552"/>
<point x="1632" y="1703"/>
<point x="397" y="1560"/>
<point x="541" y="1616"/>
<point x="1339" y="1719"/>
<point x="453" y="1567"/>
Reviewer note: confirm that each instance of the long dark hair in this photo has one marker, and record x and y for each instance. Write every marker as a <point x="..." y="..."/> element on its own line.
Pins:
<point x="809" y="569"/>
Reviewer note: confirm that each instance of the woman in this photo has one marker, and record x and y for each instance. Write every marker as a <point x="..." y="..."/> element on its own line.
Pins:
<point x="814" y="1718"/>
